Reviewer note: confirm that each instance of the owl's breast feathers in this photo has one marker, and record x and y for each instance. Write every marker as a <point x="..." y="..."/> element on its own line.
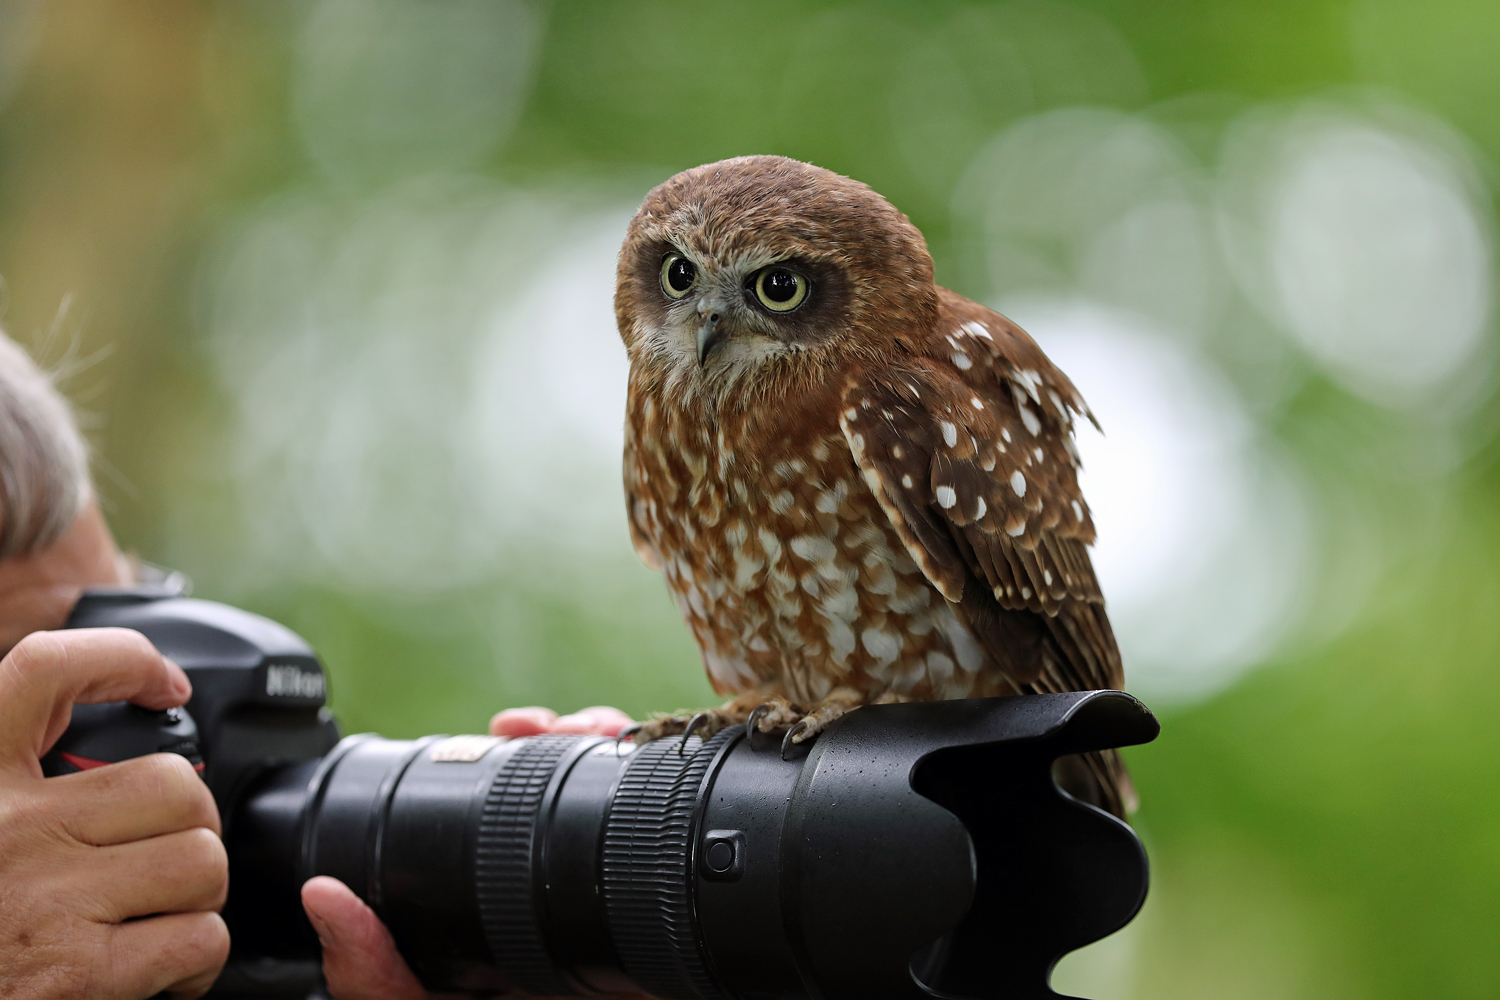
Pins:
<point x="913" y="525"/>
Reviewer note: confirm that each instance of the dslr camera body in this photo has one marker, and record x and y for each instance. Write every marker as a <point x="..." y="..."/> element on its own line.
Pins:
<point x="911" y="851"/>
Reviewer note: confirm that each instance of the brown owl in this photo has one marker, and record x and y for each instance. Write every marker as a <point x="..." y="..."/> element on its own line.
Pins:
<point x="861" y="487"/>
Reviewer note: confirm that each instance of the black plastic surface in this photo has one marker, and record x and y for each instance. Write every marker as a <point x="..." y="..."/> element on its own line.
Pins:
<point x="115" y="731"/>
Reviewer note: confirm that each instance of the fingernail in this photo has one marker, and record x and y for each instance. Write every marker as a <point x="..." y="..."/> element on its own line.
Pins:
<point x="180" y="682"/>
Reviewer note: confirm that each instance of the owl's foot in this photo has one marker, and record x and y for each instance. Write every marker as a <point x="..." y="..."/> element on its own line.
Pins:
<point x="771" y="715"/>
<point x="839" y="701"/>
<point x="704" y="724"/>
<point x="837" y="704"/>
<point x="760" y="713"/>
<point x="775" y="712"/>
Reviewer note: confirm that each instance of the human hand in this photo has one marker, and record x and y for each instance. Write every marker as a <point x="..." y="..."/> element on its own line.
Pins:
<point x="600" y="720"/>
<point x="360" y="960"/>
<point x="110" y="879"/>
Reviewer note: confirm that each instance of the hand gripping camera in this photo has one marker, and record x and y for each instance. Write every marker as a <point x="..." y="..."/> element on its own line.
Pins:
<point x="912" y="851"/>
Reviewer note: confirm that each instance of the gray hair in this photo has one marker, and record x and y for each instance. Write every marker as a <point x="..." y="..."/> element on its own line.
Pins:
<point x="44" y="465"/>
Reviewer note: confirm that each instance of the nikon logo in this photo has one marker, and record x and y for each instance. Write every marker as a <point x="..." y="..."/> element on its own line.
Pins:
<point x="293" y="682"/>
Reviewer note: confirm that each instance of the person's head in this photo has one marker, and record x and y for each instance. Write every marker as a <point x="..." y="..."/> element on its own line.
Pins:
<point x="44" y="477"/>
<point x="53" y="540"/>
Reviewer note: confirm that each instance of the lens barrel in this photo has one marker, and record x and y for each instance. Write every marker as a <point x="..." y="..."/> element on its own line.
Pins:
<point x="684" y="868"/>
<point x="552" y="864"/>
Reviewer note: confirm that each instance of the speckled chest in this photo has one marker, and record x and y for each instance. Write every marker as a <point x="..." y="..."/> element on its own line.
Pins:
<point x="782" y="562"/>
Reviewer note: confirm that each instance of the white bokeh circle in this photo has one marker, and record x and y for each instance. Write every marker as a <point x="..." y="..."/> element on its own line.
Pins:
<point x="1203" y="535"/>
<point x="1366" y="242"/>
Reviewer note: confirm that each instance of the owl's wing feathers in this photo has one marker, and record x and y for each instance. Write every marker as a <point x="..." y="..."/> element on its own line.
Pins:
<point x="969" y="452"/>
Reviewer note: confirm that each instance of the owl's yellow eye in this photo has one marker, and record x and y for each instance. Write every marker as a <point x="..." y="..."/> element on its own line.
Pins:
<point x="678" y="275"/>
<point x="780" y="289"/>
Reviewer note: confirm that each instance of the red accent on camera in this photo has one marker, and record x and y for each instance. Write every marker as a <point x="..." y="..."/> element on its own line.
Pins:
<point x="88" y="763"/>
<point x="82" y="763"/>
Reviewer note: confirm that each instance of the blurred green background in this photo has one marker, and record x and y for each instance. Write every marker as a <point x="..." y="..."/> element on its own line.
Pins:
<point x="330" y="285"/>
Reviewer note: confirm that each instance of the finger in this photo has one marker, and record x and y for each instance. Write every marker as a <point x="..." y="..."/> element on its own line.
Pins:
<point x="360" y="960"/>
<point x="523" y="722"/>
<point x="181" y="872"/>
<point x="180" y="952"/>
<point x="47" y="672"/>
<point x="600" y="720"/>
<point x="132" y="800"/>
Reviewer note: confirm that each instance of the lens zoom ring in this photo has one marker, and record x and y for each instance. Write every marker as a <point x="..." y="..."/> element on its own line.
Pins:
<point x="503" y="871"/>
<point x="647" y="881"/>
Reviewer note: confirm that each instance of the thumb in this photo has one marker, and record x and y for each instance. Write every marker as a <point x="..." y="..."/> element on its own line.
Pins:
<point x="360" y="960"/>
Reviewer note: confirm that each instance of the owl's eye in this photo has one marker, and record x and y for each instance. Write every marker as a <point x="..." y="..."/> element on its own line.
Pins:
<point x="780" y="290"/>
<point x="677" y="275"/>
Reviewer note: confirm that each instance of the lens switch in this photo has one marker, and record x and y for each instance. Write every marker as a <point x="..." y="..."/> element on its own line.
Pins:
<point x="723" y="855"/>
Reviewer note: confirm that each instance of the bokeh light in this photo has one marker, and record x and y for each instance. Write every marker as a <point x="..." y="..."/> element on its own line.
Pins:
<point x="1368" y="246"/>
<point x="1203" y="529"/>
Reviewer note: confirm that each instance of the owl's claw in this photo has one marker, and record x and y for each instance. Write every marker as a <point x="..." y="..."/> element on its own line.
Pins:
<point x="752" y="723"/>
<point x="696" y="721"/>
<point x="803" y="728"/>
<point x="628" y="733"/>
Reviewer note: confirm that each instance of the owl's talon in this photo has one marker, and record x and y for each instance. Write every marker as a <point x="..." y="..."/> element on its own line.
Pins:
<point x="627" y="733"/>
<point x="752" y="724"/>
<point x="694" y="723"/>
<point x="802" y="728"/>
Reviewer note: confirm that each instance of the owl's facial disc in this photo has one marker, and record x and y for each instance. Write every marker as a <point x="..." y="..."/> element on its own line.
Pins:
<point x="716" y="311"/>
<point x="745" y="317"/>
<point x="766" y="293"/>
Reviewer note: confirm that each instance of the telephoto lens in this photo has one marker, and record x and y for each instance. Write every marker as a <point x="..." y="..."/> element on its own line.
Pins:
<point x="912" y="850"/>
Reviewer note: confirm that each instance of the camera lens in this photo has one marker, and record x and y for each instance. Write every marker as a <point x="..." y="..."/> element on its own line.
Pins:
<point x="912" y="850"/>
<point x="887" y="856"/>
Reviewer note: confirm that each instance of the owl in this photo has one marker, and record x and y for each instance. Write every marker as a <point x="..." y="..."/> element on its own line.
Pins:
<point x="860" y="487"/>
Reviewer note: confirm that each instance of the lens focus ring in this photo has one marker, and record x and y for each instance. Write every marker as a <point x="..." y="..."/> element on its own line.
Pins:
<point x="647" y="867"/>
<point x="503" y="867"/>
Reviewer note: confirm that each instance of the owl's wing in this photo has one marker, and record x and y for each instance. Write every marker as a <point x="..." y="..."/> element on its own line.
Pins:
<point x="969" y="451"/>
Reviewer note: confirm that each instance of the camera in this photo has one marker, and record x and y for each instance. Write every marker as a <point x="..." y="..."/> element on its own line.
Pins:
<point x="910" y="851"/>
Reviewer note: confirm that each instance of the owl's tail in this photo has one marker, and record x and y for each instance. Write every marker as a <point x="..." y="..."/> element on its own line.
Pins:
<point x="1099" y="778"/>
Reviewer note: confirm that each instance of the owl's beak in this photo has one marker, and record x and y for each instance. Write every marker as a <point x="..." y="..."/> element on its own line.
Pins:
<point x="710" y="334"/>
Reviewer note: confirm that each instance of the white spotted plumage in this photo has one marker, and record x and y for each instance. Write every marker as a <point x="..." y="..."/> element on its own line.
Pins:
<point x="838" y="499"/>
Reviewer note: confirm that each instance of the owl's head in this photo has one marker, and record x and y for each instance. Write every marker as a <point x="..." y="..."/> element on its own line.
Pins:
<point x="761" y="264"/>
